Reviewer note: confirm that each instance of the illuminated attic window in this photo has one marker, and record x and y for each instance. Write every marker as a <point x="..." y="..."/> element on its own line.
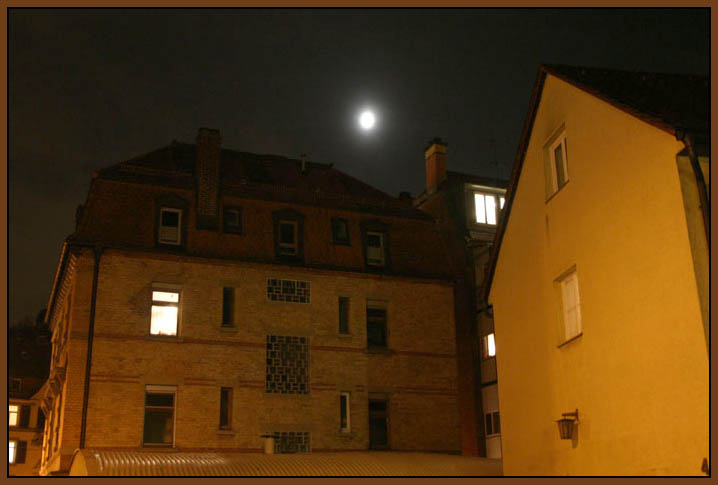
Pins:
<point x="487" y="207"/>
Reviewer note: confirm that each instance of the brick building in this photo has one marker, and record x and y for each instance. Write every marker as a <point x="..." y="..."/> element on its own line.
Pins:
<point x="467" y="208"/>
<point x="209" y="297"/>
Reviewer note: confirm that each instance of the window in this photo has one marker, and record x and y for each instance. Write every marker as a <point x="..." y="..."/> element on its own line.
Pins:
<point x="375" y="248"/>
<point x="287" y="365"/>
<point x="291" y="441"/>
<point x="340" y="231"/>
<point x="17" y="450"/>
<point x="288" y="290"/>
<point x="170" y="231"/>
<point x="14" y="412"/>
<point x="487" y="207"/>
<point x="344" y="418"/>
<point x="558" y="156"/>
<point x="343" y="314"/>
<point x="489" y="346"/>
<point x="159" y="416"/>
<point x="227" y="307"/>
<point x="571" y="305"/>
<point x="376" y="328"/>
<point x="232" y="220"/>
<point x="165" y="312"/>
<point x="288" y="238"/>
<point x="493" y="423"/>
<point x="225" y="408"/>
<point x="12" y="449"/>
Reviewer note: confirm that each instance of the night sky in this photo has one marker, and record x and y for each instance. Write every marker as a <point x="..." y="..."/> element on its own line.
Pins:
<point x="91" y="88"/>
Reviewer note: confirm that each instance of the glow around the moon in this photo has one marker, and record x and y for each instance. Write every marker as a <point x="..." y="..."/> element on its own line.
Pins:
<point x="367" y="120"/>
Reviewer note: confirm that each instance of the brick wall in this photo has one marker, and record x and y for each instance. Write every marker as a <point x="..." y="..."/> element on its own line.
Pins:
<point x="417" y="373"/>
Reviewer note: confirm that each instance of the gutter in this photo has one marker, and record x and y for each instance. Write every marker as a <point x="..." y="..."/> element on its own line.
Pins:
<point x="688" y="140"/>
<point x="90" y="338"/>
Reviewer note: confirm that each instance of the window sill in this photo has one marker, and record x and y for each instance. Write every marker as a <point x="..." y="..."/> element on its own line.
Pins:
<point x="228" y="329"/>
<point x="226" y="432"/>
<point x="344" y="335"/>
<point x="379" y="351"/>
<point x="557" y="191"/>
<point x="346" y="434"/>
<point x="572" y="339"/>
<point x="164" y="338"/>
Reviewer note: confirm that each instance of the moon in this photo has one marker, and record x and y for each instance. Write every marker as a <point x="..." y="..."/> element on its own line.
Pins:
<point x="367" y="120"/>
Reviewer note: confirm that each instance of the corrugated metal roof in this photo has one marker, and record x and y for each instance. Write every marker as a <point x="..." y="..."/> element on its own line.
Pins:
<point x="362" y="463"/>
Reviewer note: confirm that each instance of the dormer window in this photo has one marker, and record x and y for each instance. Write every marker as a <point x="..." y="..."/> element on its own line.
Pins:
<point x="375" y="248"/>
<point x="170" y="229"/>
<point x="288" y="238"/>
<point x="232" y="220"/>
<point x="487" y="207"/>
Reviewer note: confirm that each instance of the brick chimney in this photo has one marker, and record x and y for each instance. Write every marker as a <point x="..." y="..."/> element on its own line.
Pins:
<point x="209" y="146"/>
<point x="435" y="155"/>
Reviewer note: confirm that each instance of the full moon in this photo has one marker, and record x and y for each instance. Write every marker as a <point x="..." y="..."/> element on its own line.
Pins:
<point x="367" y="120"/>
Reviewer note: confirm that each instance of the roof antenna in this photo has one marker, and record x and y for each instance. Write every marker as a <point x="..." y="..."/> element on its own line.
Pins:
<point x="303" y="157"/>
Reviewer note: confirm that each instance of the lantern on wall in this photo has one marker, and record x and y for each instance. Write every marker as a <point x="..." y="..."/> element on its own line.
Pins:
<point x="566" y="425"/>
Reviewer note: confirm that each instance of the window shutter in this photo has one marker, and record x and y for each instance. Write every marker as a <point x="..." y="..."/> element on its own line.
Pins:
<point x="21" y="452"/>
<point x="25" y="417"/>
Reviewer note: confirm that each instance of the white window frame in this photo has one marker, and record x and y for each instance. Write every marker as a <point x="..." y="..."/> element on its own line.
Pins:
<point x="157" y="301"/>
<point x="560" y="140"/>
<point x="12" y="446"/>
<point x="294" y="247"/>
<point x="348" y="427"/>
<point x="176" y="241"/>
<point x="498" y="201"/>
<point x="159" y="389"/>
<point x="14" y="412"/>
<point x="381" y="261"/>
<point x="572" y="328"/>
<point x="488" y="345"/>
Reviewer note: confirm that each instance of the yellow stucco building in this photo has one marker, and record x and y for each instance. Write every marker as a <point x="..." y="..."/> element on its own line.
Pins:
<point x="599" y="285"/>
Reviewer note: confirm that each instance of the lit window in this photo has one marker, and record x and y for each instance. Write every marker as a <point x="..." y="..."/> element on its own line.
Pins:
<point x="170" y="226"/>
<point x="165" y="310"/>
<point x="12" y="450"/>
<point x="489" y="346"/>
<point x="344" y="413"/>
<point x="558" y="156"/>
<point x="571" y="305"/>
<point x="159" y="416"/>
<point x="375" y="248"/>
<point x="493" y="423"/>
<point x="14" y="412"/>
<point x="486" y="208"/>
<point x="288" y="238"/>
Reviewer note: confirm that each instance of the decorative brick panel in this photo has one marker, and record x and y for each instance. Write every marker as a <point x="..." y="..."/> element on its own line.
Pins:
<point x="287" y="365"/>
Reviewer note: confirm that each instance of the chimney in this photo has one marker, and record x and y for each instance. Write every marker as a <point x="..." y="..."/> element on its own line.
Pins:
<point x="209" y="144"/>
<point x="435" y="155"/>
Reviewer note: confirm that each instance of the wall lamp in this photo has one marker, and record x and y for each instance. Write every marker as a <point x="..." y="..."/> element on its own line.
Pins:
<point x="566" y="424"/>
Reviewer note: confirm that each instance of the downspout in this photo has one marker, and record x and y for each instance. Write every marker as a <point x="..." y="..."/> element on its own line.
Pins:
<point x="97" y="250"/>
<point x="688" y="141"/>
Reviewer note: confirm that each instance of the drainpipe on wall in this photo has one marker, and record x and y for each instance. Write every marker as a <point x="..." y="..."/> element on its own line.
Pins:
<point x="688" y="141"/>
<point x="97" y="250"/>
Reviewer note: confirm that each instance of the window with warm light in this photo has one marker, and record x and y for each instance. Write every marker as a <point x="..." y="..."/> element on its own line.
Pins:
<point x="12" y="451"/>
<point x="14" y="413"/>
<point x="571" y="305"/>
<point x="489" y="346"/>
<point x="165" y="312"/>
<point x="488" y="207"/>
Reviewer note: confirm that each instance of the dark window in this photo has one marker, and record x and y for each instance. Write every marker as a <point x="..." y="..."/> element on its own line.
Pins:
<point x="288" y="235"/>
<point x="288" y="238"/>
<point x="376" y="328"/>
<point x="375" y="248"/>
<point x="159" y="419"/>
<point x="40" y="419"/>
<point x="232" y="220"/>
<point x="344" y="411"/>
<point x="291" y="441"/>
<point x="343" y="314"/>
<point x="170" y="231"/>
<point x="493" y="423"/>
<point x="340" y="231"/>
<point x="25" y="416"/>
<point x="225" y="408"/>
<point x="227" y="307"/>
<point x="21" y="452"/>
<point x="287" y="365"/>
<point x="378" y="425"/>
